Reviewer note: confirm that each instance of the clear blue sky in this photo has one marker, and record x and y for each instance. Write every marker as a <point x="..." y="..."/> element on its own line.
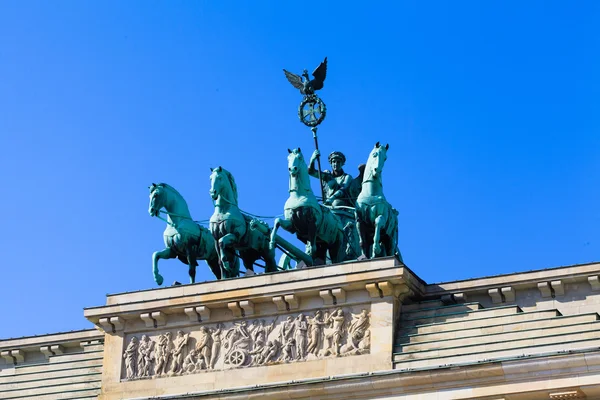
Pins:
<point x="490" y="110"/>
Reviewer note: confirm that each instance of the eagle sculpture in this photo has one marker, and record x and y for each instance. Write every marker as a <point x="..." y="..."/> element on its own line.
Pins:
<point x="308" y="86"/>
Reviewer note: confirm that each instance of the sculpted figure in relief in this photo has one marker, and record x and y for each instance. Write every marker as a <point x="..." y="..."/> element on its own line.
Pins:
<point x="204" y="345"/>
<point x="179" y="343"/>
<point x="163" y="353"/>
<point x="315" y="333"/>
<point x="145" y="348"/>
<point x="287" y="353"/>
<point x="300" y="336"/>
<point x="190" y="361"/>
<point x="236" y="335"/>
<point x="260" y="332"/>
<point x="336" y="333"/>
<point x="357" y="328"/>
<point x="216" y="346"/>
<point x="130" y="356"/>
<point x="287" y="330"/>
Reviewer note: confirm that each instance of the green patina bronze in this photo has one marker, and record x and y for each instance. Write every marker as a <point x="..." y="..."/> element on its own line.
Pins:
<point x="376" y="219"/>
<point x="355" y="220"/>
<point x="314" y="224"/>
<point x="340" y="191"/>
<point x="232" y="229"/>
<point x="184" y="238"/>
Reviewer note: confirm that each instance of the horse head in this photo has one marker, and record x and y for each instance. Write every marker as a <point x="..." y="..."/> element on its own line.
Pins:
<point x="375" y="163"/>
<point x="298" y="171"/>
<point x="295" y="161"/>
<point x="223" y="184"/>
<point x="157" y="199"/>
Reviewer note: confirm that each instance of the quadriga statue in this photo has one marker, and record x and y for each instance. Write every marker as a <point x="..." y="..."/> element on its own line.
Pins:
<point x="232" y="230"/>
<point x="314" y="224"/>
<point x="376" y="219"/>
<point x="184" y="238"/>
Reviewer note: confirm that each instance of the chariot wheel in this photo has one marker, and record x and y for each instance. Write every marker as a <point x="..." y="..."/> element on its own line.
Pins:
<point x="237" y="358"/>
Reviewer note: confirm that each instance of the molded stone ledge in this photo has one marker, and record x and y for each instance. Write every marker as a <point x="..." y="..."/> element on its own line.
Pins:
<point x="287" y="302"/>
<point x="333" y="296"/>
<point x="7" y="356"/>
<point x="545" y="289"/>
<point x="508" y="293"/>
<point x="380" y="289"/>
<point x="111" y="324"/>
<point x="257" y="289"/>
<point x="242" y="308"/>
<point x="495" y="295"/>
<point x="198" y="314"/>
<point x="502" y="295"/>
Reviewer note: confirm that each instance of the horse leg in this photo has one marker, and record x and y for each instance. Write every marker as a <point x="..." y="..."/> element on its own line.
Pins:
<point x="248" y="261"/>
<point x="165" y="255"/>
<point x="283" y="223"/>
<point x="362" y="239"/>
<point x="192" y="264"/>
<point x="379" y="223"/>
<point x="226" y="254"/>
<point x="270" y="263"/>
<point x="214" y="265"/>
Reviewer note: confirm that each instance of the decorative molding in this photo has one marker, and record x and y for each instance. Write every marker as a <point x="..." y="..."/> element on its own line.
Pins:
<point x="558" y="287"/>
<point x="594" y="282"/>
<point x="545" y="289"/>
<point x="247" y="308"/>
<point x="57" y="349"/>
<point x="508" y="292"/>
<point x="380" y="289"/>
<point x="292" y="301"/>
<point x="280" y="303"/>
<point x="159" y="317"/>
<point x="328" y="299"/>
<point x="235" y="308"/>
<point x="571" y="394"/>
<point x="8" y="357"/>
<point x="147" y="320"/>
<point x="339" y="294"/>
<point x="495" y="295"/>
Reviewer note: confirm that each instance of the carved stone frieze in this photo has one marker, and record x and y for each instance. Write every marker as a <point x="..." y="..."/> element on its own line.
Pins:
<point x="333" y="332"/>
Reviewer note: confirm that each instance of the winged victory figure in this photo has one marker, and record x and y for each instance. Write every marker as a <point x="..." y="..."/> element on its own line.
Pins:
<point x="308" y="86"/>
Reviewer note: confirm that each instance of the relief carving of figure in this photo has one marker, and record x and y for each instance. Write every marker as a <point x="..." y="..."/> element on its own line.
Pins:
<point x="300" y="336"/>
<point x="163" y="354"/>
<point x="216" y="346"/>
<point x="336" y="333"/>
<point x="130" y="356"/>
<point x="204" y="345"/>
<point x="357" y="328"/>
<point x="287" y="330"/>
<point x="287" y="353"/>
<point x="260" y="333"/>
<point x="239" y="333"/>
<point x="190" y="361"/>
<point x="145" y="348"/>
<point x="266" y="353"/>
<point x="178" y="352"/>
<point x="315" y="333"/>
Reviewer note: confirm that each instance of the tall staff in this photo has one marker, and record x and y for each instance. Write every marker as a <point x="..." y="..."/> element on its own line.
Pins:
<point x="312" y="110"/>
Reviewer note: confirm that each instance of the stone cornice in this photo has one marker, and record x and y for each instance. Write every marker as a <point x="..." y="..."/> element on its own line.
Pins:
<point x="329" y="282"/>
<point x="519" y="280"/>
<point x="34" y="342"/>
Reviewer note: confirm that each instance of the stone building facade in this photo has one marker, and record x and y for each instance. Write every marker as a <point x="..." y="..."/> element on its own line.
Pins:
<point x="357" y="330"/>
